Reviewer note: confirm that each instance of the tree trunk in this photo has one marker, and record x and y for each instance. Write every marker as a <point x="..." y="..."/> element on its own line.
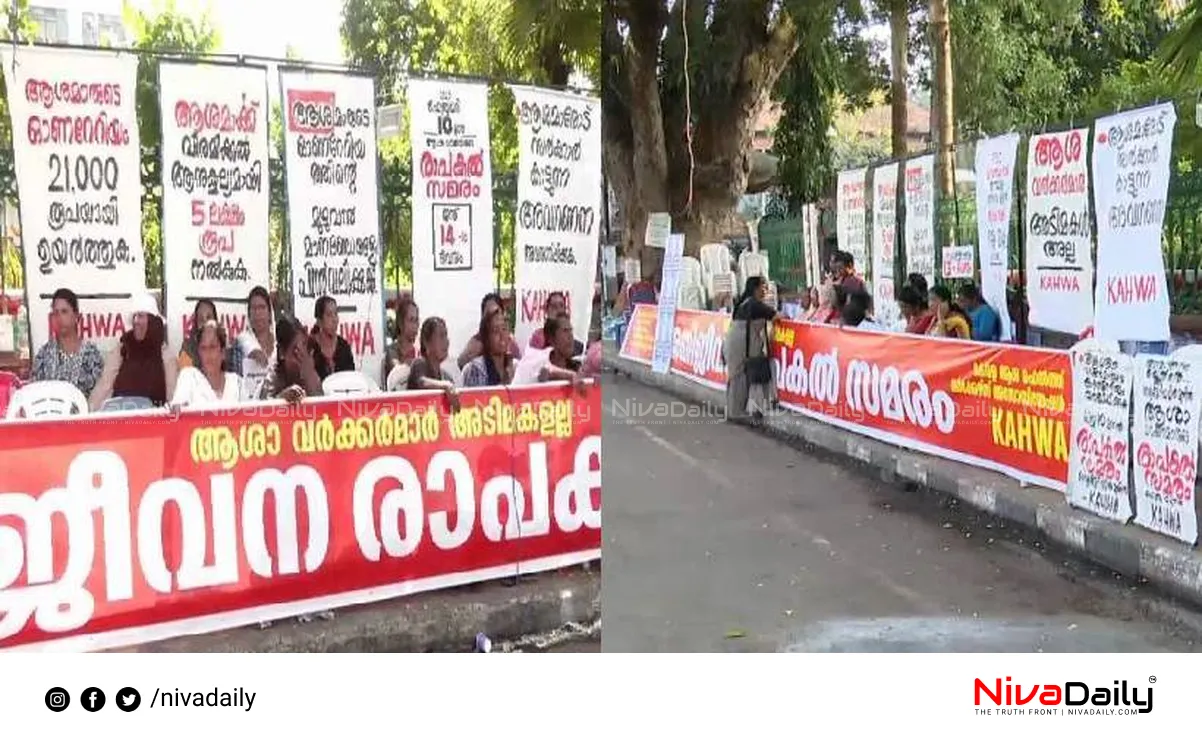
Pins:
<point x="899" y="37"/>
<point x="945" y="136"/>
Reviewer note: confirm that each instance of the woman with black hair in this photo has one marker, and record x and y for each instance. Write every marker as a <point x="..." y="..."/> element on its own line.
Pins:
<point x="950" y="320"/>
<point x="209" y="383"/>
<point x="295" y="375"/>
<point x="403" y="349"/>
<point x="141" y="365"/>
<point x="427" y="371"/>
<point x="331" y="352"/>
<point x="751" y="384"/>
<point x="491" y="303"/>
<point x="494" y="366"/>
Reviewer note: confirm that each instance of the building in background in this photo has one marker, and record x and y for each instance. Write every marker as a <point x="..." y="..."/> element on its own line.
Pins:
<point x="79" y="22"/>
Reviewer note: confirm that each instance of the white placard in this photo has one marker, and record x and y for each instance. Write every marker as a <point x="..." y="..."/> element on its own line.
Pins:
<point x="452" y="203"/>
<point x="1131" y="156"/>
<point x="995" y="199"/>
<point x="216" y="198"/>
<point x="661" y="359"/>
<point x="79" y="181"/>
<point x="659" y="228"/>
<point x="1165" y="444"/>
<point x="920" y="217"/>
<point x="1059" y="260"/>
<point x="609" y="261"/>
<point x="958" y="261"/>
<point x="558" y="226"/>
<point x="333" y="204"/>
<point x="813" y="246"/>
<point x="1099" y="452"/>
<point x="849" y="216"/>
<point x="884" y="244"/>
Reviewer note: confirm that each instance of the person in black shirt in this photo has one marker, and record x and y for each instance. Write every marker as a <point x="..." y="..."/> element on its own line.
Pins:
<point x="331" y="352"/>
<point x="746" y="353"/>
<point x="426" y="372"/>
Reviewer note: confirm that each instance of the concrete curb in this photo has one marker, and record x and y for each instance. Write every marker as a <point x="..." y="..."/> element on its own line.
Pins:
<point x="1132" y="551"/>
<point x="441" y="621"/>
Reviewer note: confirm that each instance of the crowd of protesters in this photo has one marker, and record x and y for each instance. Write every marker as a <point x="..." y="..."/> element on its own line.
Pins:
<point x="283" y="359"/>
<point x="843" y="300"/>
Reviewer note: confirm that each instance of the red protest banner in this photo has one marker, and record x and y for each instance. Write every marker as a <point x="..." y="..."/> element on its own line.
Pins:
<point x="1000" y="407"/>
<point x="639" y="342"/>
<point x="697" y="346"/>
<point x="121" y="530"/>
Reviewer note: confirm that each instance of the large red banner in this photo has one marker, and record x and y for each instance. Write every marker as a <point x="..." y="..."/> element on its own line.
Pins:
<point x="697" y="342"/>
<point x="1001" y="407"/>
<point x="638" y="344"/>
<point x="121" y="530"/>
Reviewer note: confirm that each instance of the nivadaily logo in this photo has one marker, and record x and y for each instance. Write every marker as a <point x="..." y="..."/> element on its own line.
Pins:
<point x="1068" y="698"/>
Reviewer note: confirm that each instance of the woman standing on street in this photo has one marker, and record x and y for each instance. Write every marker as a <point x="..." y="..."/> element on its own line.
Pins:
<point x="751" y="383"/>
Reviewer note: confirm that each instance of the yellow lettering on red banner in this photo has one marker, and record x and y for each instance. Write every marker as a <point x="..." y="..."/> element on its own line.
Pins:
<point x="365" y="432"/>
<point x="783" y="335"/>
<point x="549" y="418"/>
<point x="227" y="447"/>
<point x="1030" y="433"/>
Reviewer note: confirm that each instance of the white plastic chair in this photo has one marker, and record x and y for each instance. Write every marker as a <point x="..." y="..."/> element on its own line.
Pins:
<point x="690" y="297"/>
<point x="752" y="264"/>
<point x="47" y="400"/>
<point x="346" y="383"/>
<point x="715" y="261"/>
<point x="126" y="403"/>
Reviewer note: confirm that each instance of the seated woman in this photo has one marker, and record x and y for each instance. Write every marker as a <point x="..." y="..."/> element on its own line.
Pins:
<point x="205" y="311"/>
<point x="67" y="357"/>
<point x="492" y="302"/>
<point x="557" y="361"/>
<point x="427" y="372"/>
<point x="295" y="375"/>
<point x="950" y="320"/>
<point x="403" y="350"/>
<point x="331" y="352"/>
<point x="557" y="304"/>
<point x="494" y="366"/>
<point x="140" y="365"/>
<point x="208" y="384"/>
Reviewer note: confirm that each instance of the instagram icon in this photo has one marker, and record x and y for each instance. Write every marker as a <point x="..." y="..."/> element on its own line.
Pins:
<point x="57" y="699"/>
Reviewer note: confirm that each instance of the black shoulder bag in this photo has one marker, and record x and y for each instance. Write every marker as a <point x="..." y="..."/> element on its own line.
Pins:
<point x="758" y="369"/>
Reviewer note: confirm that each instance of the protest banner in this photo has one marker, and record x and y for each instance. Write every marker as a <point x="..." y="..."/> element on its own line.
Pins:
<point x="452" y="203"/>
<point x="333" y="204"/>
<point x="665" y="322"/>
<point x="1164" y="442"/>
<point x="884" y="244"/>
<point x="638" y="344"/>
<point x="1131" y="157"/>
<point x="995" y="199"/>
<point x="697" y="340"/>
<point x="124" y="530"/>
<point x="1101" y="453"/>
<point x="1059" y="263"/>
<point x="79" y="181"/>
<point x="1000" y="407"/>
<point x="850" y="210"/>
<point x="958" y="261"/>
<point x="558" y="226"/>
<point x="216" y="187"/>
<point x="920" y="217"/>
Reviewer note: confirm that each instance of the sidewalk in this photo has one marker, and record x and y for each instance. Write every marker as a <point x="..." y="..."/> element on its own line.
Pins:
<point x="1171" y="566"/>
<point x="441" y="621"/>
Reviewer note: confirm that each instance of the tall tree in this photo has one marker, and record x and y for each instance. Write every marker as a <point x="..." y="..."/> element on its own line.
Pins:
<point x="683" y="83"/>
<point x="899" y="73"/>
<point x="944" y="120"/>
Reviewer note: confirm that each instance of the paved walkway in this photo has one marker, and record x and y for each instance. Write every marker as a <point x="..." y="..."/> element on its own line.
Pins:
<point x="718" y="537"/>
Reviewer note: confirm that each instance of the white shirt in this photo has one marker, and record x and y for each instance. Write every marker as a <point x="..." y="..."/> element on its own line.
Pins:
<point x="254" y="373"/>
<point x="531" y="365"/>
<point x="192" y="390"/>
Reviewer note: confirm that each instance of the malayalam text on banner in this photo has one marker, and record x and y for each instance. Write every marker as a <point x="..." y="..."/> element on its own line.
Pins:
<point x="995" y="197"/>
<point x="884" y="243"/>
<point x="1164" y="443"/>
<point x="79" y="183"/>
<point x="333" y="204"/>
<point x="1101" y="453"/>
<point x="215" y="190"/>
<point x="1000" y="407"/>
<point x="452" y="203"/>
<point x="850" y="217"/>
<point x="1059" y="264"/>
<point x="131" y="530"/>
<point x="558" y="225"/>
<point x="920" y="217"/>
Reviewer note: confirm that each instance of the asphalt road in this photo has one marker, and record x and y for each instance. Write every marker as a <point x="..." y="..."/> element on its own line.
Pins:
<point x="719" y="538"/>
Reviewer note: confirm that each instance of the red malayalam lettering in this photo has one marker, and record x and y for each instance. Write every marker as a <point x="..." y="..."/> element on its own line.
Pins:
<point x="1102" y="456"/>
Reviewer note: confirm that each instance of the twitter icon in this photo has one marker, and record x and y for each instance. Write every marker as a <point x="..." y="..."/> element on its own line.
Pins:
<point x="128" y="699"/>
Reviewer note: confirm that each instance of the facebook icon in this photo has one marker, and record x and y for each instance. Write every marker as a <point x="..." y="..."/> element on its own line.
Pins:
<point x="92" y="699"/>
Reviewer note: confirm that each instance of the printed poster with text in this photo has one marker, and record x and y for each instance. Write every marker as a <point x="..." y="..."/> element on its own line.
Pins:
<point x="558" y="225"/>
<point x="920" y="217"/>
<point x="665" y="322"/>
<point x="79" y="184"/>
<point x="1131" y="156"/>
<point x="1164" y="439"/>
<point x="884" y="243"/>
<point x="1100" y="454"/>
<point x="452" y="203"/>
<point x="850" y="217"/>
<point x="995" y="197"/>
<point x="333" y="204"/>
<point x="215" y="191"/>
<point x="1059" y="264"/>
<point x="697" y="340"/>
<point x="1002" y="407"/>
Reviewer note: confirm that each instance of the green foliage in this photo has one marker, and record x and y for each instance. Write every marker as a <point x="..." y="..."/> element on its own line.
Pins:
<point x="523" y="40"/>
<point x="25" y="30"/>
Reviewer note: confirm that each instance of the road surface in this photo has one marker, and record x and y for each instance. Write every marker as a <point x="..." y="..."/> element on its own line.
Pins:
<point x="717" y="537"/>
